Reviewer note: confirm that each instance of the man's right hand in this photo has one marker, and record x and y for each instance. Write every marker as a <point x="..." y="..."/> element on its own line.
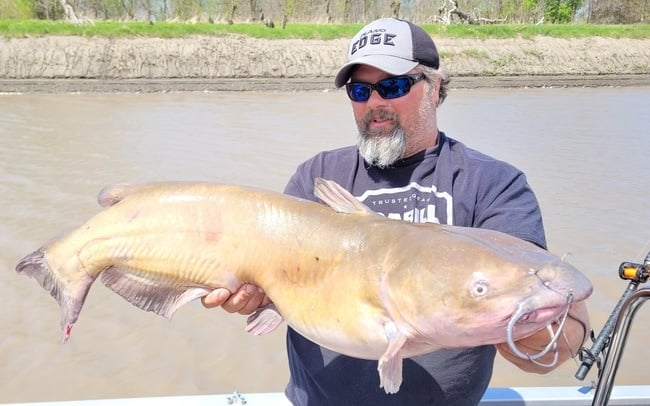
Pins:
<point x="244" y="300"/>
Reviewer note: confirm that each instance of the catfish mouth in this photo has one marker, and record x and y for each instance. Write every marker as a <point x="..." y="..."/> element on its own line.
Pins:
<point x="524" y="315"/>
<point x="538" y="315"/>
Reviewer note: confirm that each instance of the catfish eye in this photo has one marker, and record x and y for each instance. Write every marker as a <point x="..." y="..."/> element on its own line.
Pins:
<point x="479" y="288"/>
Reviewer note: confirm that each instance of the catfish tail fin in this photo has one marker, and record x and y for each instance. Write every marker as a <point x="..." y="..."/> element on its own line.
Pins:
<point x="69" y="294"/>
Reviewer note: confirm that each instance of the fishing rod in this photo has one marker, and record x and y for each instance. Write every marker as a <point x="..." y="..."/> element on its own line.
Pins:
<point x="614" y="332"/>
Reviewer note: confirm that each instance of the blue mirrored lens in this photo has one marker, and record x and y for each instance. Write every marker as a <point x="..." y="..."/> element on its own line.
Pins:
<point x="359" y="92"/>
<point x="392" y="88"/>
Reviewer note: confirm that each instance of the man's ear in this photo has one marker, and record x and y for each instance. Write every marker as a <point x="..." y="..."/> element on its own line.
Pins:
<point x="435" y="94"/>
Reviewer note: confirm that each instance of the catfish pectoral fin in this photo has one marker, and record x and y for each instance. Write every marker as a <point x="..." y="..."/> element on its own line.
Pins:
<point x="160" y="295"/>
<point x="70" y="293"/>
<point x="390" y="363"/>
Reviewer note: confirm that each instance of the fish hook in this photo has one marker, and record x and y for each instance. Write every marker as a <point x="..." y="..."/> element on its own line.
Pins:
<point x="552" y="345"/>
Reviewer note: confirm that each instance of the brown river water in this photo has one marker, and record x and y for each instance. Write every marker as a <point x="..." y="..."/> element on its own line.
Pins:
<point x="585" y="150"/>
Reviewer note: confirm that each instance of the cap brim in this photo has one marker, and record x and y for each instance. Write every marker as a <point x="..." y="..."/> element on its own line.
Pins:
<point x="387" y="63"/>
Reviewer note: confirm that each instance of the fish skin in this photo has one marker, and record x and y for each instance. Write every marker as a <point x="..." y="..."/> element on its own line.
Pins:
<point x="352" y="281"/>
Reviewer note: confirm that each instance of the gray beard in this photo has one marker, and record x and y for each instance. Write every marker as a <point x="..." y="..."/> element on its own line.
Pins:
<point x="378" y="147"/>
<point x="382" y="150"/>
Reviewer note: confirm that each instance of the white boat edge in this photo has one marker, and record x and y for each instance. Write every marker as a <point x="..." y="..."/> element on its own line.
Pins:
<point x="497" y="396"/>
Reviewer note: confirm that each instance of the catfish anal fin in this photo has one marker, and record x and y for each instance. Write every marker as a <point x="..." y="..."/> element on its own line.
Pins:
<point x="161" y="296"/>
<point x="264" y="320"/>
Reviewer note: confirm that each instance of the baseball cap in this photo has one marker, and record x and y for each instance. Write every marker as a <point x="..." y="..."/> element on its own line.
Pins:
<point x="392" y="45"/>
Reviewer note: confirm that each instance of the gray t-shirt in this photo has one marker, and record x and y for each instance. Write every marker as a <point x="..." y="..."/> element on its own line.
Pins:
<point x="449" y="184"/>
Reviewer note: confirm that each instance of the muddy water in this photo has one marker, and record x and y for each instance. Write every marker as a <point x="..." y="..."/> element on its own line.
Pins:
<point x="585" y="152"/>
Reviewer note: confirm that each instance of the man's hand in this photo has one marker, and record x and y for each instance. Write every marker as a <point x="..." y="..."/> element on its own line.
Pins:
<point x="575" y="332"/>
<point x="244" y="300"/>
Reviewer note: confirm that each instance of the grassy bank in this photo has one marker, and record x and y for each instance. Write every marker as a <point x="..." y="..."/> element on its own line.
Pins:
<point x="35" y="28"/>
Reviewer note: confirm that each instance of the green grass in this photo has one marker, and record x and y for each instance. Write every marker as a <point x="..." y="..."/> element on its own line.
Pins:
<point x="24" y="28"/>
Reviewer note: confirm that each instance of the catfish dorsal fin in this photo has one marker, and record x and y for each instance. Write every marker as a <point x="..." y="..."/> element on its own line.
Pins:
<point x="162" y="296"/>
<point x="337" y="198"/>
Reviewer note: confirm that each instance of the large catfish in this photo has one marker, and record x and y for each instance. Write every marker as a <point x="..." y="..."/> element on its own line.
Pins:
<point x="346" y="278"/>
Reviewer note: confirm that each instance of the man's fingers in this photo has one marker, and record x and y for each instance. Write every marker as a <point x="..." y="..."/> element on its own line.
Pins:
<point x="245" y="300"/>
<point x="254" y="301"/>
<point x="215" y="298"/>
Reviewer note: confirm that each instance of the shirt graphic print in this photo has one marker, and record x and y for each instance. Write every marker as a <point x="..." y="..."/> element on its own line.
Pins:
<point x="414" y="202"/>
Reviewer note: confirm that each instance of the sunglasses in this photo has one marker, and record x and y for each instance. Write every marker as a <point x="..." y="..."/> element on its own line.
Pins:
<point x="389" y="88"/>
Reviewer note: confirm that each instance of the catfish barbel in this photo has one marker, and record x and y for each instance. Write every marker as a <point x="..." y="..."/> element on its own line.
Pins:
<point x="350" y="280"/>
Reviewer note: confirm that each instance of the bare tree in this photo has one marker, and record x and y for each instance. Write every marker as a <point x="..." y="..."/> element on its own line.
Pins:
<point x="345" y="11"/>
<point x="618" y="11"/>
<point x="68" y="12"/>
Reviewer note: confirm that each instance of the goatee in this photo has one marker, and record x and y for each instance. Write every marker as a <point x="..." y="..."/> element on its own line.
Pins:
<point x="381" y="147"/>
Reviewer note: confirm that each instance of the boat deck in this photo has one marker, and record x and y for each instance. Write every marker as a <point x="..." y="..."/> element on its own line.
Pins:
<point x="506" y="396"/>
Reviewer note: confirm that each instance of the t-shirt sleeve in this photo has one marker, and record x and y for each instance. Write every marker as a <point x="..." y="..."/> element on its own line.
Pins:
<point x="506" y="202"/>
<point x="301" y="184"/>
<point x="337" y="165"/>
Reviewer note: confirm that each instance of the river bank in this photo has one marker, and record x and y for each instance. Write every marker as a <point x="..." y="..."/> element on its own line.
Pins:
<point x="240" y="63"/>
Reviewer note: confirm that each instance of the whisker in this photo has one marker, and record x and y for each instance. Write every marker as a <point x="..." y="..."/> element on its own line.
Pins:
<point x="551" y="346"/>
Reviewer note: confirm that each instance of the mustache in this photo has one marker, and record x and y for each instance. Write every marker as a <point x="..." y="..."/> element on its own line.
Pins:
<point x="377" y="114"/>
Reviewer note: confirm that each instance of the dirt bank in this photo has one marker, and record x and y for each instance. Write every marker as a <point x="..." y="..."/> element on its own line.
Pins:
<point x="234" y="62"/>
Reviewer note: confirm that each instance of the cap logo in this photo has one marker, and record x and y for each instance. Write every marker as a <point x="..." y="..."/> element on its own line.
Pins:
<point x="373" y="37"/>
<point x="391" y="45"/>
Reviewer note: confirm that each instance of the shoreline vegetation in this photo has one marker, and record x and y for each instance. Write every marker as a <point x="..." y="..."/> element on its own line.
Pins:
<point x="54" y="57"/>
<point x="117" y="29"/>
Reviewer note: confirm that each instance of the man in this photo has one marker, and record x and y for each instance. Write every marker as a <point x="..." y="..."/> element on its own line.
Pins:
<point x="405" y="168"/>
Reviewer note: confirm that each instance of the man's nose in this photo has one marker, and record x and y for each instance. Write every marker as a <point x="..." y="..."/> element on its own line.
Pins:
<point x="375" y="100"/>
